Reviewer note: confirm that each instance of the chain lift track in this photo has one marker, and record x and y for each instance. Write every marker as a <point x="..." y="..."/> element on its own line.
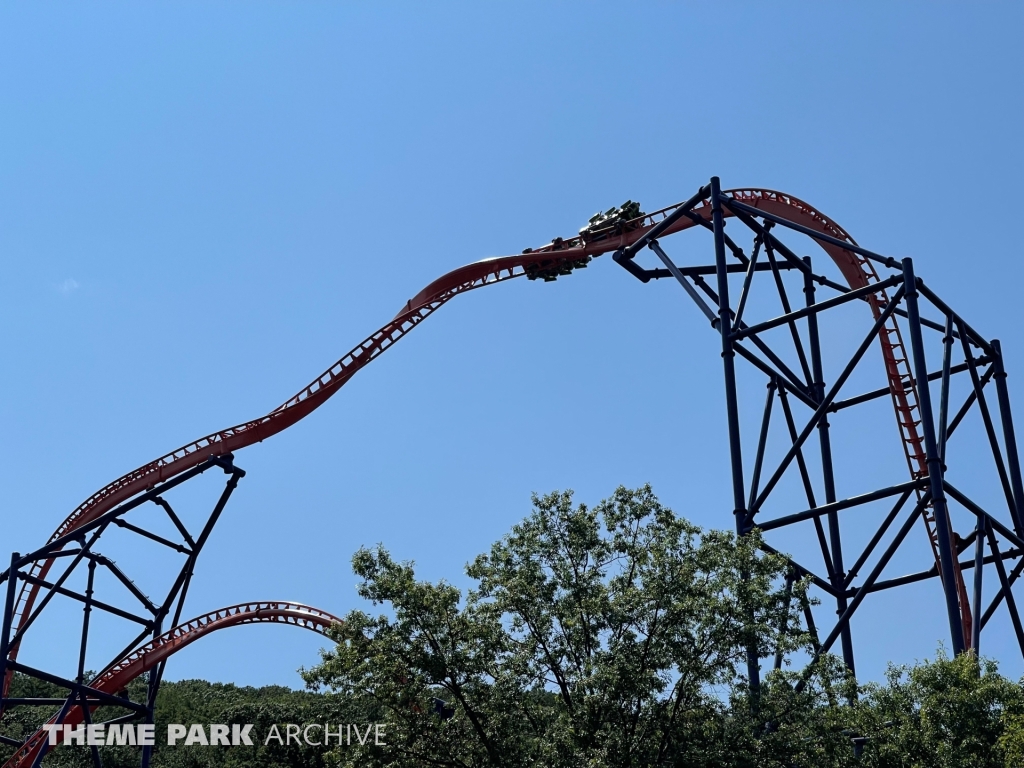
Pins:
<point x="626" y="232"/>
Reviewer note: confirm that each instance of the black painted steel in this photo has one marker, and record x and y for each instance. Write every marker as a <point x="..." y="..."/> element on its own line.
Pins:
<point x="731" y="397"/>
<point x="801" y="338"/>
<point x="793" y="362"/>
<point x="1009" y="438"/>
<point x="85" y="539"/>
<point x="935" y="468"/>
<point x="827" y="469"/>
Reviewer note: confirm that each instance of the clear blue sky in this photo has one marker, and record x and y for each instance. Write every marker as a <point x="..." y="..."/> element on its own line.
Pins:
<point x="202" y="206"/>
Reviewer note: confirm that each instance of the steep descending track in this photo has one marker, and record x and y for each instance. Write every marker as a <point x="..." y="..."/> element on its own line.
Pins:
<point x="559" y="257"/>
<point x="117" y="676"/>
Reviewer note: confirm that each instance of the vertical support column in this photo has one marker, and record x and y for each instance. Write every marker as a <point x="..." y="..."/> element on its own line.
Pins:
<point x="5" y="636"/>
<point x="83" y="703"/>
<point x="938" y="494"/>
<point x="731" y="398"/>
<point x="86" y="611"/>
<point x="155" y="676"/>
<point x="835" y="540"/>
<point x="947" y="355"/>
<point x="980" y="531"/>
<point x="1012" y="459"/>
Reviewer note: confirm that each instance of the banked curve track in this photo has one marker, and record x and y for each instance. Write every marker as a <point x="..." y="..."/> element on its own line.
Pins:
<point x="117" y="676"/>
<point x="558" y="257"/>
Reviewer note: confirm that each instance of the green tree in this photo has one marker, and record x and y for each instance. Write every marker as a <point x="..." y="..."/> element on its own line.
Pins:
<point x="946" y="713"/>
<point x="197" y="701"/>
<point x="608" y="636"/>
<point x="605" y="636"/>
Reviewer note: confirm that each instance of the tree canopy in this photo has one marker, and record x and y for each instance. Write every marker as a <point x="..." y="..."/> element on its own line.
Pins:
<point x="615" y="635"/>
<point x="612" y="636"/>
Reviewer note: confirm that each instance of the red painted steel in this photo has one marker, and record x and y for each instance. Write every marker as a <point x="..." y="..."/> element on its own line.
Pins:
<point x="116" y="677"/>
<point x="859" y="272"/>
<point x="559" y="255"/>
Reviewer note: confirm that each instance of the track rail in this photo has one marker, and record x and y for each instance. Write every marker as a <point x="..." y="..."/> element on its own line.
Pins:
<point x="559" y="257"/>
<point x="860" y="272"/>
<point x="117" y="676"/>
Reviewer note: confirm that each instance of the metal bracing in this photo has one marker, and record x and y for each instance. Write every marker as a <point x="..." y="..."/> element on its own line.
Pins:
<point x="897" y="301"/>
<point x="146" y="658"/>
<point x="724" y="324"/>
<point x="77" y="551"/>
<point x="801" y="372"/>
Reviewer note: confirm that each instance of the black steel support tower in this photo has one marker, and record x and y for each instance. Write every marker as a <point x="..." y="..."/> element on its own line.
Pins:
<point x="77" y="555"/>
<point x="961" y="502"/>
<point x="935" y="491"/>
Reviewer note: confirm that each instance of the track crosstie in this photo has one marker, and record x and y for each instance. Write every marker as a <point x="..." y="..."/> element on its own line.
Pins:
<point x="560" y="257"/>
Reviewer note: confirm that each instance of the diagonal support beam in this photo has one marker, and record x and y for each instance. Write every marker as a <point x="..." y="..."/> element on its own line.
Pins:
<point x="1007" y="591"/>
<point x="822" y="409"/>
<point x="862" y="592"/>
<point x="935" y="469"/>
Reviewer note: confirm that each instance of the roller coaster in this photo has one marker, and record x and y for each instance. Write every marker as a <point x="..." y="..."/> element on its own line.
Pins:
<point x="786" y="349"/>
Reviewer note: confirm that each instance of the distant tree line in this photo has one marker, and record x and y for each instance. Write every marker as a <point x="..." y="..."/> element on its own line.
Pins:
<point x="612" y="635"/>
<point x="197" y="701"/>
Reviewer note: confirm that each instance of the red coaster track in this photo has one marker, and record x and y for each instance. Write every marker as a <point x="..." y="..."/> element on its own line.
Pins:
<point x="116" y="677"/>
<point x="559" y="257"/>
<point x="565" y="255"/>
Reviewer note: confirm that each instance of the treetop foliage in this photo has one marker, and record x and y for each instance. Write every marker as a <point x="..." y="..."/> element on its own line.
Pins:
<point x="611" y="636"/>
<point x="615" y="635"/>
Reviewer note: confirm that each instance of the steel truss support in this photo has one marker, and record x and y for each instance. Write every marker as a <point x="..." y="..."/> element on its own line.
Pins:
<point x="935" y="468"/>
<point x="79" y="551"/>
<point x="731" y="399"/>
<point x="793" y="362"/>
